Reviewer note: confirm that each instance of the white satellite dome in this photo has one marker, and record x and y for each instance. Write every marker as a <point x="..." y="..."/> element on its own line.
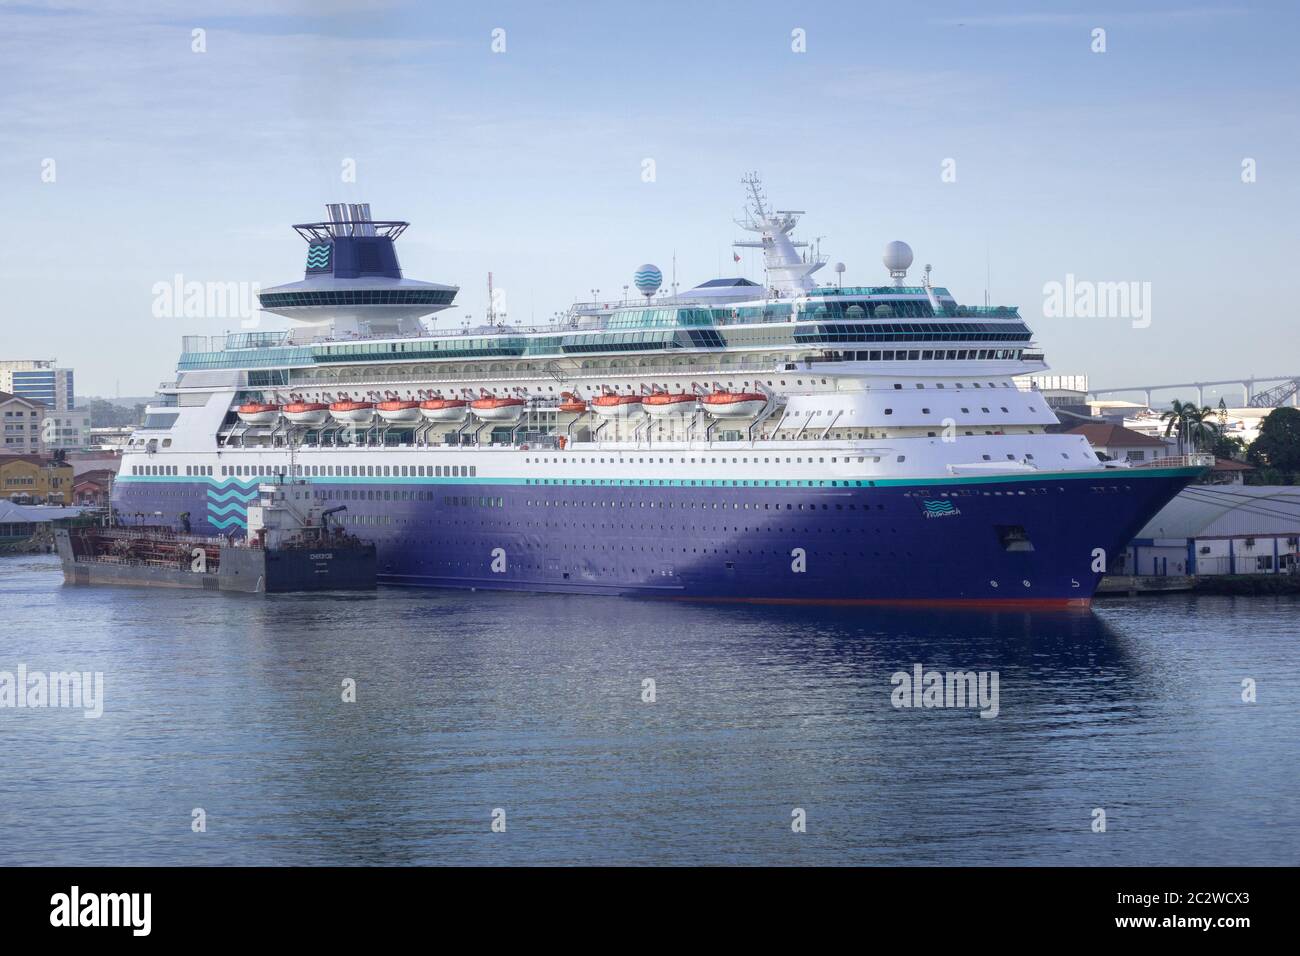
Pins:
<point x="897" y="257"/>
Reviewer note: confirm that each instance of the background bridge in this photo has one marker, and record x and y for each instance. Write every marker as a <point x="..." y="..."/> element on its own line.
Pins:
<point x="1281" y="389"/>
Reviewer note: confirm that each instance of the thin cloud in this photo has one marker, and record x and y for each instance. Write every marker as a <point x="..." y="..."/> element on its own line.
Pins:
<point x="1088" y="19"/>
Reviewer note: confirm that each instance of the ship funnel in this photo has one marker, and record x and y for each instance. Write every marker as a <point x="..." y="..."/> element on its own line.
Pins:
<point x="361" y="218"/>
<point x="338" y="214"/>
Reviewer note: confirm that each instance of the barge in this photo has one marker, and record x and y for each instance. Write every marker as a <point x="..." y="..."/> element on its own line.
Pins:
<point x="292" y="545"/>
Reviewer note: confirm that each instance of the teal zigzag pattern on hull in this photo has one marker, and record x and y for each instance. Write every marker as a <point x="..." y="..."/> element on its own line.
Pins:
<point x="226" y="495"/>
<point x="228" y="504"/>
<point x="938" y="507"/>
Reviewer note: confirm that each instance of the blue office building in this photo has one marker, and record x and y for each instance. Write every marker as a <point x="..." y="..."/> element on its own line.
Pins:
<point x="38" y="380"/>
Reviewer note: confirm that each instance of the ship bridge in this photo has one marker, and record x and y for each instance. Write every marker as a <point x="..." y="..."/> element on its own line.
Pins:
<point x="353" y="281"/>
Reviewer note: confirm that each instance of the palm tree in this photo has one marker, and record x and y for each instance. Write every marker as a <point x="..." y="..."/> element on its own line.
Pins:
<point x="1175" y="417"/>
<point x="1195" y="425"/>
<point x="1202" y="427"/>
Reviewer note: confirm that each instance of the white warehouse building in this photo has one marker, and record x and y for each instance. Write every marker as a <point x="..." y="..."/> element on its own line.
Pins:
<point x="1221" y="529"/>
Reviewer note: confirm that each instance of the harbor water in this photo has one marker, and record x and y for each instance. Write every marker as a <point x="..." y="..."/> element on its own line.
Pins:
<point x="608" y="731"/>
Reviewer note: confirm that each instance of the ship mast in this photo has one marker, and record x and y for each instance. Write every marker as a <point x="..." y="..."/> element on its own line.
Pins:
<point x="788" y="273"/>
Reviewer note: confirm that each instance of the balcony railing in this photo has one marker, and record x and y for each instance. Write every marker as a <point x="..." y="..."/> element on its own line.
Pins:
<point x="1177" y="461"/>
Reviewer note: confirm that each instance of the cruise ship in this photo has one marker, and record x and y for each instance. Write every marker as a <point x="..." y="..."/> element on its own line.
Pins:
<point x="783" y="441"/>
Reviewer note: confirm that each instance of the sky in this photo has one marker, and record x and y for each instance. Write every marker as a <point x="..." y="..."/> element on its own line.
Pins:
<point x="995" y="138"/>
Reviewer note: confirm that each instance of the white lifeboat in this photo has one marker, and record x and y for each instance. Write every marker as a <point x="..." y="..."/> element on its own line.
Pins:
<point x="352" y="413"/>
<point x="398" y="411"/>
<point x="665" y="404"/>
<point x="445" y="409"/>
<point x="258" y="413"/>
<point x="724" y="404"/>
<point x="617" y="406"/>
<point x="307" y="413"/>
<point x="498" y="409"/>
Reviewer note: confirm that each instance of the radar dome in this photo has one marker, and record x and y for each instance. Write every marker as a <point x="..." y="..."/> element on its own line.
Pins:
<point x="897" y="257"/>
<point x="648" y="279"/>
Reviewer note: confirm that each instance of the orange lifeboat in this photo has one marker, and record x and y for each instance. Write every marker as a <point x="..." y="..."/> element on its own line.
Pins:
<point x="444" y="409"/>
<point x="492" y="409"/>
<point x="572" y="403"/>
<point x="307" y="413"/>
<point x="612" y="406"/>
<point x="724" y="404"/>
<point x="258" y="413"/>
<point x="352" y="413"/>
<point x="664" y="404"/>
<point x="399" y="411"/>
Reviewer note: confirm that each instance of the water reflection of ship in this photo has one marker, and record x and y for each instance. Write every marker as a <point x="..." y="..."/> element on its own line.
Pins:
<point x="1047" y="641"/>
<point x="759" y="708"/>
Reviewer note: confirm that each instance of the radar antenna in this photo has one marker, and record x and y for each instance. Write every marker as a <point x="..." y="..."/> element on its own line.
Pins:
<point x="759" y="212"/>
<point x="493" y="317"/>
<point x="788" y="272"/>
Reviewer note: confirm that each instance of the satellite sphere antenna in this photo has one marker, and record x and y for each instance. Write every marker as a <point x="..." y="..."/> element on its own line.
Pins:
<point x="897" y="259"/>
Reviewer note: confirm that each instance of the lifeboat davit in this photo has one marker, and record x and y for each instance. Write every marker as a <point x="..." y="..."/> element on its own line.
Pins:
<point x="258" y="413"/>
<point x="498" y="409"/>
<point x="353" y="413"/>
<point x="665" y="404"/>
<point x="399" y="412"/>
<point x="307" y="413"/>
<point x="734" y="404"/>
<point x="445" y="409"/>
<point x="613" y="406"/>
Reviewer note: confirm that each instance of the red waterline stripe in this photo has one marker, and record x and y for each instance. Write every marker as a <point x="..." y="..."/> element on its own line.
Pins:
<point x="1036" y="603"/>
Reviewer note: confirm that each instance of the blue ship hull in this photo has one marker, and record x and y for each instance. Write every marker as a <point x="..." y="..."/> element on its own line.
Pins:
<point x="1004" y="540"/>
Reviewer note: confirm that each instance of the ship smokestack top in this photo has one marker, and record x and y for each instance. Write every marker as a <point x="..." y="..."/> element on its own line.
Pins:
<point x="351" y="244"/>
<point x="353" y="282"/>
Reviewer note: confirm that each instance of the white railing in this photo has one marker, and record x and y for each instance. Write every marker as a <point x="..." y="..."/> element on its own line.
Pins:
<point x="1177" y="461"/>
<point x="484" y="377"/>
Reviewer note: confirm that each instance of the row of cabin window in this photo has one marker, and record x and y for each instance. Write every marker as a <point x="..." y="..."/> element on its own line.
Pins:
<point x="702" y="461"/>
<point x="391" y="471"/>
<point x="317" y="471"/>
<point x="356" y="471"/>
<point x="915" y="355"/>
<point x="898" y="385"/>
<point x="983" y="408"/>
